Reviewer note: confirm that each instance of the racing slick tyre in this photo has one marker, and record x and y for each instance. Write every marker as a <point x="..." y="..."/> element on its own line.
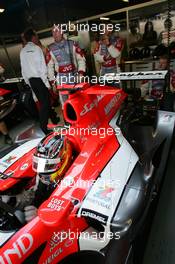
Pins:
<point x="119" y="251"/>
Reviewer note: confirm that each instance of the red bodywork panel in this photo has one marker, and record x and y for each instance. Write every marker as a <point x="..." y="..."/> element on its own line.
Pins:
<point x="22" y="168"/>
<point x="4" y="92"/>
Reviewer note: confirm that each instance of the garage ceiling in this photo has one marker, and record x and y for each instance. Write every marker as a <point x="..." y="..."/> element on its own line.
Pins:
<point x="43" y="13"/>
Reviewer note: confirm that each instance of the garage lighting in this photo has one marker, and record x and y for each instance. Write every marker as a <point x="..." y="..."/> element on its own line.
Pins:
<point x="2" y="10"/>
<point x="126" y="1"/>
<point x="104" y="18"/>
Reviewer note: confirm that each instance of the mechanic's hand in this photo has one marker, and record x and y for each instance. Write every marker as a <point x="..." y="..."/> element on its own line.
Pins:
<point x="107" y="57"/>
<point x="54" y="87"/>
<point x="30" y="213"/>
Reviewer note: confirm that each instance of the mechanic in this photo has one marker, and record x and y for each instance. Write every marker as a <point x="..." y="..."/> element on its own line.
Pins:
<point x="34" y="72"/>
<point x="155" y="88"/>
<point x="108" y="52"/>
<point x="54" y="98"/>
<point x="53" y="157"/>
<point x="66" y="59"/>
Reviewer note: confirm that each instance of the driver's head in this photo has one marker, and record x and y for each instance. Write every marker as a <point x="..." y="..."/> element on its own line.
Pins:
<point x="57" y="33"/>
<point x="30" y="35"/>
<point x="52" y="158"/>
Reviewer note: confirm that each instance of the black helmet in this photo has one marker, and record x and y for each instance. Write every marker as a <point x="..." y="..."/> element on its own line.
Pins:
<point x="160" y="50"/>
<point x="134" y="54"/>
<point x="145" y="52"/>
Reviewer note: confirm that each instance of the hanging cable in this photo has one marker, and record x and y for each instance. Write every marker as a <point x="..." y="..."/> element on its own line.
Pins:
<point x="28" y="4"/>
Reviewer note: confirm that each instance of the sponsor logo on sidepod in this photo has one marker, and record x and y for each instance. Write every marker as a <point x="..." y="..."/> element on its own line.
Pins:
<point x="19" y="248"/>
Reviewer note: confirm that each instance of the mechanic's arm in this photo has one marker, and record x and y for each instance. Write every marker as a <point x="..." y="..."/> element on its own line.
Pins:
<point x="97" y="56"/>
<point x="51" y="66"/>
<point x="43" y="67"/>
<point x="116" y="49"/>
<point x="80" y="58"/>
<point x="145" y="86"/>
<point x="113" y="51"/>
<point x="22" y="62"/>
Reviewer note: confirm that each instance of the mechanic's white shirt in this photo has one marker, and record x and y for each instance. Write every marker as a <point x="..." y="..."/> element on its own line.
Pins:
<point x="33" y="63"/>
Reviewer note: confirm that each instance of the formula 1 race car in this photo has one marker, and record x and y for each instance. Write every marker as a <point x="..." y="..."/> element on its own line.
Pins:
<point x="97" y="209"/>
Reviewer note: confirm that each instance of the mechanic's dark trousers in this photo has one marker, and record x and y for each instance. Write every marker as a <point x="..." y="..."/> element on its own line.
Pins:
<point x="42" y="94"/>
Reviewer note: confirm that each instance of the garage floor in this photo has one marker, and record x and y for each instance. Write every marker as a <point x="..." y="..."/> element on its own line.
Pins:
<point x="161" y="243"/>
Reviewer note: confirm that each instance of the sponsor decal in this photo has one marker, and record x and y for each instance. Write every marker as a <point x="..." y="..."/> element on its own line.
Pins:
<point x="58" y="238"/>
<point x="55" y="241"/>
<point x="89" y="106"/>
<point x="167" y="118"/>
<point x="24" y="166"/>
<point x="104" y="193"/>
<point x="112" y="103"/>
<point x="19" y="248"/>
<point x="147" y="75"/>
<point x="143" y="75"/>
<point x="99" y="203"/>
<point x="55" y="204"/>
<point x="97" y="216"/>
<point x="99" y="151"/>
<point x="102" y="197"/>
<point x="68" y="243"/>
<point x="9" y="160"/>
<point x="53" y="256"/>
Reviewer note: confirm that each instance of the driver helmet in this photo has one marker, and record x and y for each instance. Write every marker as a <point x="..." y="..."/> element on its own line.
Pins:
<point x="52" y="158"/>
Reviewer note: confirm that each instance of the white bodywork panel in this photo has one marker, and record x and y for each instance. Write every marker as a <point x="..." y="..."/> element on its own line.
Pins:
<point x="4" y="236"/>
<point x="104" y="196"/>
<point x="17" y="153"/>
